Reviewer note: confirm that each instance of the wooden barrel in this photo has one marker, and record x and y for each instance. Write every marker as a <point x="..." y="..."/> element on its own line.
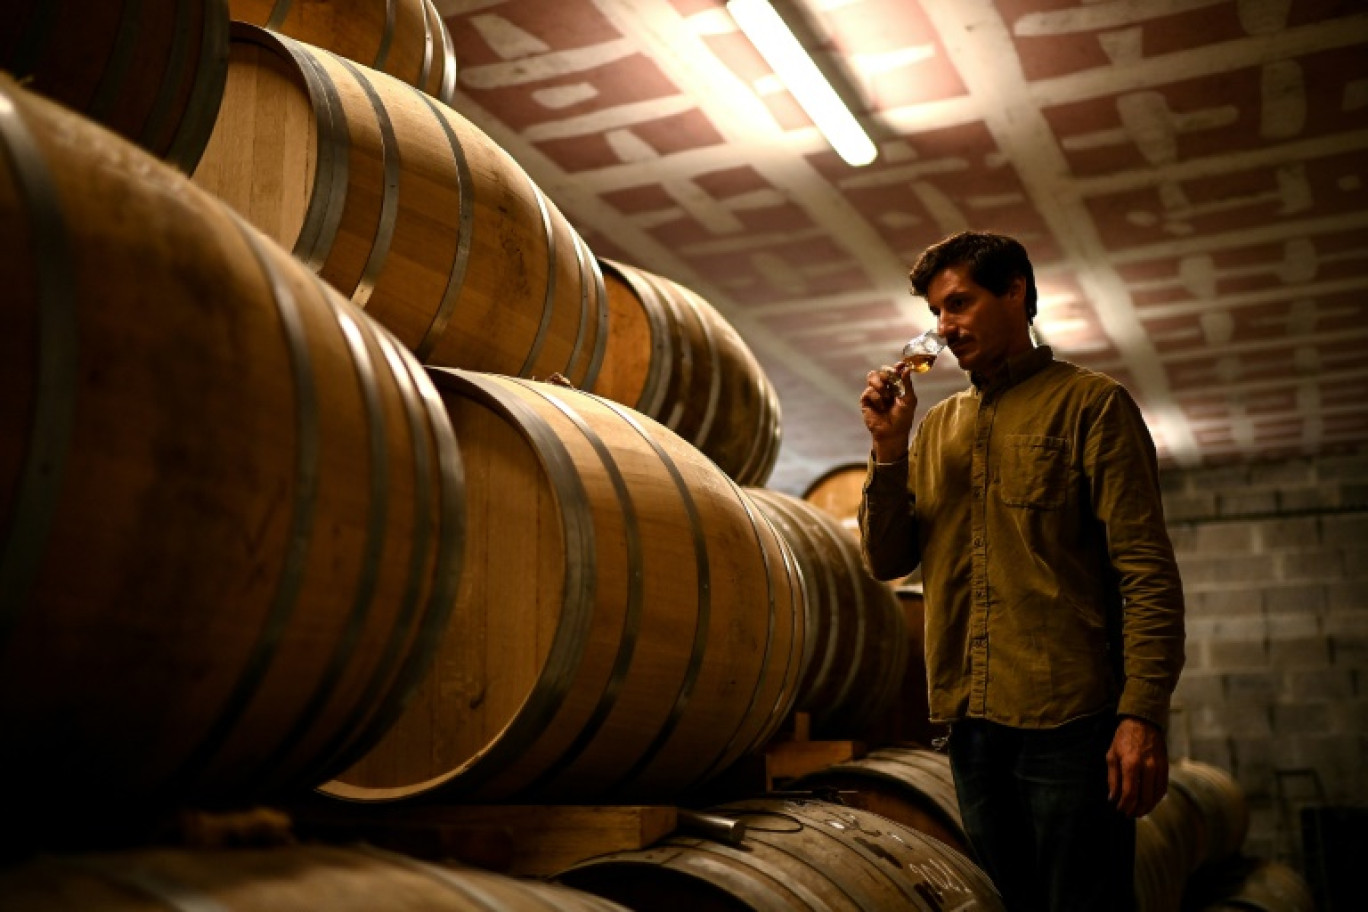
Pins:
<point x="672" y="356"/>
<point x="289" y="879"/>
<point x="405" y="38"/>
<point x="640" y="623"/>
<point x="1222" y="815"/>
<point x="230" y="505"/>
<point x="912" y="786"/>
<point x="1167" y="842"/>
<point x="1201" y="821"/>
<point x="441" y="80"/>
<point x="859" y="638"/>
<point x="151" y="70"/>
<point x="837" y="492"/>
<point x="795" y="855"/>
<point x="406" y="208"/>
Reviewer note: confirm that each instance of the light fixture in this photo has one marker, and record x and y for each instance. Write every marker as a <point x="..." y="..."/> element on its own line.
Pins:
<point x="795" y="69"/>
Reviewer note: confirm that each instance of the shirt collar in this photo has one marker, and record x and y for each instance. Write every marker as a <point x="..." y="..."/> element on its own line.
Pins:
<point x="1018" y="368"/>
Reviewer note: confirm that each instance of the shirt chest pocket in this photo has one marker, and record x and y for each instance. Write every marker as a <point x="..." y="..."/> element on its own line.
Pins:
<point x="1034" y="471"/>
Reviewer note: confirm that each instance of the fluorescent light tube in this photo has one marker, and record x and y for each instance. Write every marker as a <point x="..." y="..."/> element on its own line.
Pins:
<point x="795" y="69"/>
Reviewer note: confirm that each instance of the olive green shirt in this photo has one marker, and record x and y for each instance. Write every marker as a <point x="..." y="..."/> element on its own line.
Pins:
<point x="1032" y="504"/>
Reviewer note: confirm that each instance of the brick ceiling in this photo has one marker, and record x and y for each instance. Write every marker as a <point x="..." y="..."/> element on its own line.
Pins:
<point x="1191" y="177"/>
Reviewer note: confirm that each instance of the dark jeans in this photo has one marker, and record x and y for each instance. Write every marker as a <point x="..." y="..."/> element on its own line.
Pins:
<point x="1035" y="807"/>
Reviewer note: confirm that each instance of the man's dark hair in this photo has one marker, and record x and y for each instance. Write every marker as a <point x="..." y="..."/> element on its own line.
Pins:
<point x="994" y="260"/>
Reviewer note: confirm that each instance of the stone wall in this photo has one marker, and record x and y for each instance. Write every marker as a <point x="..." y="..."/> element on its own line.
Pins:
<point x="1274" y="560"/>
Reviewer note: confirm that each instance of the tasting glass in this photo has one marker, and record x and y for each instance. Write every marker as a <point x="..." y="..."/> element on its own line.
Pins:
<point x="918" y="355"/>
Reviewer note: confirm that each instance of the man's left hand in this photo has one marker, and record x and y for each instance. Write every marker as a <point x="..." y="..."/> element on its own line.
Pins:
<point x="1137" y="767"/>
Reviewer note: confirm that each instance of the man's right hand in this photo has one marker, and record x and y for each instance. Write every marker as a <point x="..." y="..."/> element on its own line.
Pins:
<point x="888" y="416"/>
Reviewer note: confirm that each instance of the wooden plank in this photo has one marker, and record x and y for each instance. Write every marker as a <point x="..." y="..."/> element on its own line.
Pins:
<point x="791" y="759"/>
<point x="798" y="727"/>
<point x="549" y="839"/>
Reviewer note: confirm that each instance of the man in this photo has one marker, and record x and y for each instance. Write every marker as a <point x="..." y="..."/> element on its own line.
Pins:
<point x="1054" y="611"/>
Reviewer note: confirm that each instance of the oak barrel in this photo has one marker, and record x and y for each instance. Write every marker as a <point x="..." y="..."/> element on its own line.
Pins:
<point x="406" y="208"/>
<point x="286" y="879"/>
<point x="672" y="356"/>
<point x="1221" y="812"/>
<point x="639" y="623"/>
<point x="153" y="71"/>
<point x="800" y="855"/>
<point x="407" y="39"/>
<point x="230" y="505"/>
<point x="441" y="80"/>
<point x="1166" y="846"/>
<point x="1200" y="822"/>
<point x="912" y="786"/>
<point x="837" y="491"/>
<point x="859" y="636"/>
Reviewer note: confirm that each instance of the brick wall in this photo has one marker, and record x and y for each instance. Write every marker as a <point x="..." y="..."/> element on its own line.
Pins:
<point x="1274" y="560"/>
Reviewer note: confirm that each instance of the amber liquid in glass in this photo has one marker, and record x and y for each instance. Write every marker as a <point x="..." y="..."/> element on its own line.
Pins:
<point x="918" y="355"/>
<point x="920" y="363"/>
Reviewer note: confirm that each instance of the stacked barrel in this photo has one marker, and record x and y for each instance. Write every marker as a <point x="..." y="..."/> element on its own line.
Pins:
<point x="150" y="70"/>
<point x="409" y="210"/>
<point x="641" y="625"/>
<point x="856" y="674"/>
<point x="636" y="624"/>
<point x="233" y="504"/>
<point x="671" y="355"/>
<point x="284" y="511"/>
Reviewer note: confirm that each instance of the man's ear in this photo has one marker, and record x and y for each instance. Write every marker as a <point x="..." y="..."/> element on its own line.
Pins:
<point x="1017" y="291"/>
<point x="1016" y="297"/>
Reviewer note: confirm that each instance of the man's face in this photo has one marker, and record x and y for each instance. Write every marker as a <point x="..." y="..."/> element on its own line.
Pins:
<point x="983" y="329"/>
